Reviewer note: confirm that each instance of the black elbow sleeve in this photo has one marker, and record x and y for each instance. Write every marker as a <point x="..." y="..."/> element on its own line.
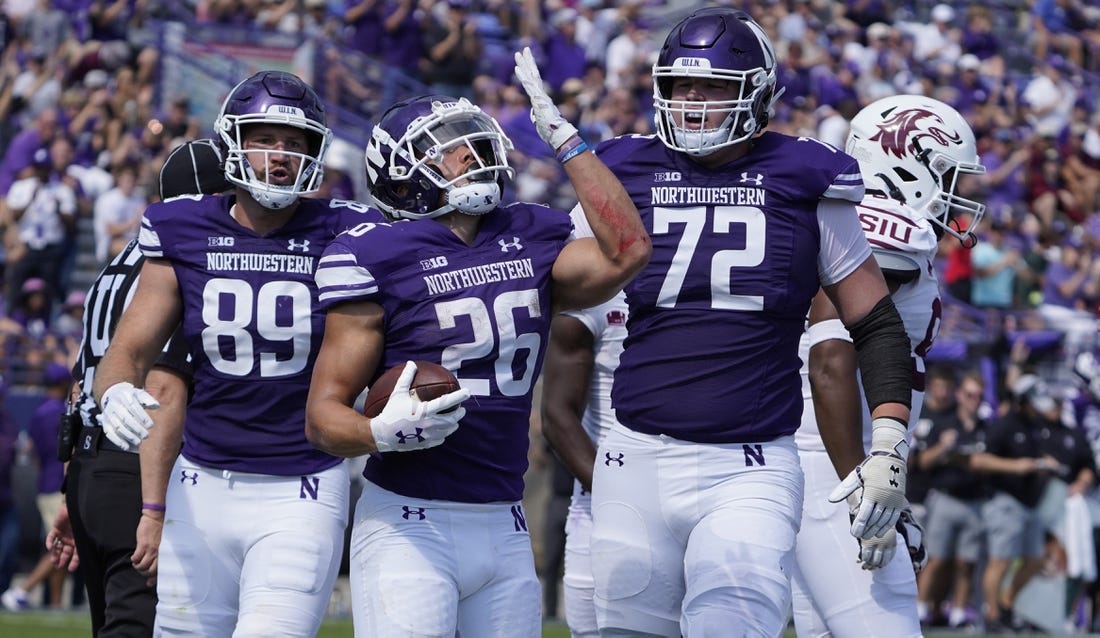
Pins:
<point x="884" y="355"/>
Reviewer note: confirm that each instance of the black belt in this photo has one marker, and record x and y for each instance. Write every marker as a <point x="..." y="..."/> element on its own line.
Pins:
<point x="93" y="439"/>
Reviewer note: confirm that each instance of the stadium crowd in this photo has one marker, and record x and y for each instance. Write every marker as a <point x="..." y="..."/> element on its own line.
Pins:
<point x="85" y="125"/>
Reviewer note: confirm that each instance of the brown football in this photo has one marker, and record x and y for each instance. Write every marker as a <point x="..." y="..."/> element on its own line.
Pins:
<point x="432" y="380"/>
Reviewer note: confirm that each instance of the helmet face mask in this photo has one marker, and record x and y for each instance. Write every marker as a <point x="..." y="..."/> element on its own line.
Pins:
<point x="714" y="45"/>
<point x="916" y="149"/>
<point x="407" y="151"/>
<point x="273" y="98"/>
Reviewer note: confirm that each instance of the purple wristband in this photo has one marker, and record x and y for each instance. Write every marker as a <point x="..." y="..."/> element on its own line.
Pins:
<point x="154" y="507"/>
<point x="571" y="149"/>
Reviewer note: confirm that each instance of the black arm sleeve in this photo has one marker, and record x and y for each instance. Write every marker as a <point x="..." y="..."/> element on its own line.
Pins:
<point x="884" y="355"/>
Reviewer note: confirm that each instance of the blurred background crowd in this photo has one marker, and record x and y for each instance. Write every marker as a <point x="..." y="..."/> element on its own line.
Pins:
<point x="95" y="93"/>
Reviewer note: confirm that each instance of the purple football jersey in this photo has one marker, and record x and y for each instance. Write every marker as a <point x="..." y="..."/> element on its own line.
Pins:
<point x="715" y="317"/>
<point x="253" y="325"/>
<point x="483" y="312"/>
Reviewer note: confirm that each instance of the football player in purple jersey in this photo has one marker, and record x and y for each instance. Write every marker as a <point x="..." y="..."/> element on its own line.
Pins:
<point x="255" y="515"/>
<point x="912" y="151"/>
<point x="697" y="490"/>
<point x="440" y="544"/>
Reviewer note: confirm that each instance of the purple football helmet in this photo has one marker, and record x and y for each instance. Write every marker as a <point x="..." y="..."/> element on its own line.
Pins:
<point x="719" y="44"/>
<point x="408" y="143"/>
<point x="274" y="97"/>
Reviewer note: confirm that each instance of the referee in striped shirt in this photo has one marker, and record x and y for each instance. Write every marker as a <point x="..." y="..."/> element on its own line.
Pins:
<point x="111" y="522"/>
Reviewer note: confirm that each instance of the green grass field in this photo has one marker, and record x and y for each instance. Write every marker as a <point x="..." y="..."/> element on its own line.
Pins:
<point x="72" y="624"/>
<point x="33" y="624"/>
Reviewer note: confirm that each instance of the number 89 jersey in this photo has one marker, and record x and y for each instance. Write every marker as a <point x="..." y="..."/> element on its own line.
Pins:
<point x="738" y="253"/>
<point x="253" y="325"/>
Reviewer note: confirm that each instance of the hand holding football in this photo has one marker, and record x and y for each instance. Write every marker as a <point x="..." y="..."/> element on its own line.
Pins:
<point x="432" y="380"/>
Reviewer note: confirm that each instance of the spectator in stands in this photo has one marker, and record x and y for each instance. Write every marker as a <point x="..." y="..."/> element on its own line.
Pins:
<point x="970" y="88"/>
<point x="1081" y="161"/>
<point x="452" y="50"/>
<point x="19" y="156"/>
<point x="979" y="40"/>
<point x="403" y="38"/>
<point x="1076" y="477"/>
<point x="69" y="323"/>
<point x="39" y="85"/>
<point x="363" y="22"/>
<point x="937" y="44"/>
<point x="953" y="527"/>
<point x="596" y="25"/>
<point x="43" y="207"/>
<point x="1004" y="182"/>
<point x="627" y="51"/>
<point x="995" y="267"/>
<point x="178" y="122"/>
<point x="1053" y="25"/>
<point x="1071" y="286"/>
<point x="1017" y="471"/>
<point x="938" y="404"/>
<point x="565" y="53"/>
<point x="1049" y="96"/>
<point x="117" y="213"/>
<point x="110" y="20"/>
<point x="42" y="428"/>
<point x="31" y="308"/>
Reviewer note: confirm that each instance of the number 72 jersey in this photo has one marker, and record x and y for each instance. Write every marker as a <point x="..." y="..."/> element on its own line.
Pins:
<point x="738" y="253"/>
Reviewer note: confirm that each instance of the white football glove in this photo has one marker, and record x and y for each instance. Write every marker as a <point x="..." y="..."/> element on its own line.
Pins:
<point x="123" y="415"/>
<point x="407" y="423"/>
<point x="878" y="482"/>
<point x="876" y="552"/>
<point x="553" y="128"/>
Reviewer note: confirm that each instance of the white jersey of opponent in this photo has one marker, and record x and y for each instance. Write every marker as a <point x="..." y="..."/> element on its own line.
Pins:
<point x="899" y="232"/>
<point x="607" y="323"/>
<point x="832" y="594"/>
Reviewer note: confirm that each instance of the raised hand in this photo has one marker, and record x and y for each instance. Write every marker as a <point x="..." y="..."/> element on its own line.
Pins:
<point x="552" y="127"/>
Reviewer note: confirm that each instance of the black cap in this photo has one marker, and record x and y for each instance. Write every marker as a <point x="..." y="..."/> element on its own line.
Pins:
<point x="193" y="168"/>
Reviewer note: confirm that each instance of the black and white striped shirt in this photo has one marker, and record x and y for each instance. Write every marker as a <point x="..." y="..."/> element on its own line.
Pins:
<point x="107" y="298"/>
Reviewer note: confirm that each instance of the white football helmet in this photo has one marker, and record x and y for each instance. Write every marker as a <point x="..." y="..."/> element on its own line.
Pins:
<point x="273" y="97"/>
<point x="914" y="148"/>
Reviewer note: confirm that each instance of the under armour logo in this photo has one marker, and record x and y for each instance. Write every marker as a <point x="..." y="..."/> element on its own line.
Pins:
<point x="757" y="179"/>
<point x="87" y="442"/>
<point x="193" y="477"/>
<point x="415" y="436"/>
<point x="408" y="513"/>
<point x="894" y="479"/>
<point x="519" y="520"/>
<point x="506" y="245"/>
<point x="608" y="459"/>
<point x="293" y="244"/>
